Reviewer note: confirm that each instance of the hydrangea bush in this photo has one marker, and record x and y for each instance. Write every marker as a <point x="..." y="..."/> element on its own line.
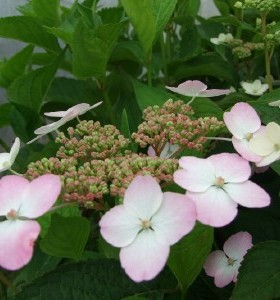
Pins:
<point x="150" y="170"/>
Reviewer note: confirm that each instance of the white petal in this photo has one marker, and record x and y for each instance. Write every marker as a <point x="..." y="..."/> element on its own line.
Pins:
<point x="269" y="159"/>
<point x="242" y="147"/>
<point x="143" y="197"/>
<point x="274" y="103"/>
<point x="145" y="257"/>
<point x="273" y="132"/>
<point x="14" y="151"/>
<point x="4" y="162"/>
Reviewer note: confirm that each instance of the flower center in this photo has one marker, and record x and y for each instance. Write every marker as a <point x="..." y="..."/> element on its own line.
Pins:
<point x="146" y="224"/>
<point x="12" y="215"/>
<point x="249" y="136"/>
<point x="231" y="261"/>
<point x="219" y="181"/>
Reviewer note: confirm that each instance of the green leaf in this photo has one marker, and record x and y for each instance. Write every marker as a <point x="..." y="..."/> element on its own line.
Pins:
<point x="30" y="89"/>
<point x="15" y="66"/>
<point x="204" y="107"/>
<point x="128" y="50"/>
<point x="92" y="280"/>
<point x="28" y="30"/>
<point x="276" y="167"/>
<point x="190" y="45"/>
<point x="204" y="65"/>
<point x="5" y="110"/>
<point x="107" y="250"/>
<point x="92" y="48"/>
<point x="67" y="237"/>
<point x="149" y="96"/>
<point x="149" y="18"/>
<point x="188" y="8"/>
<point x="188" y="255"/>
<point x="125" y="130"/>
<point x="45" y="10"/>
<point x="259" y="275"/>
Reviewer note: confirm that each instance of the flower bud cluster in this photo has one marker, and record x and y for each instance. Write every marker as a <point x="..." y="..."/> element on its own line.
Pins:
<point x="176" y="123"/>
<point x="89" y="140"/>
<point x="262" y="5"/>
<point x="244" y="49"/>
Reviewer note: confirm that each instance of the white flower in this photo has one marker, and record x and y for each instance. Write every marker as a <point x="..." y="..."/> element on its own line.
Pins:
<point x="255" y="88"/>
<point x="7" y="159"/>
<point x="267" y="144"/>
<point x="275" y="103"/>
<point x="222" y="39"/>
<point x="167" y="151"/>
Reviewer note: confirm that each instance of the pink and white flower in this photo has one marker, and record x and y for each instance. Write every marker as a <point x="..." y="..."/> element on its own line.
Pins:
<point x="20" y="202"/>
<point x="8" y="159"/>
<point x="65" y="116"/>
<point x="267" y="144"/>
<point x="145" y="226"/>
<point x="196" y="88"/>
<point x="243" y="122"/>
<point x="224" y="265"/>
<point x="217" y="185"/>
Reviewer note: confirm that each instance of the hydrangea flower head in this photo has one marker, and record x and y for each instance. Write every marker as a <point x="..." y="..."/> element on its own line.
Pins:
<point x="243" y="122"/>
<point x="8" y="159"/>
<point x="222" y="39"/>
<point x="145" y="226"/>
<point x="255" y="88"/>
<point x="19" y="206"/>
<point x="217" y="185"/>
<point x="196" y="88"/>
<point x="267" y="144"/>
<point x="224" y="265"/>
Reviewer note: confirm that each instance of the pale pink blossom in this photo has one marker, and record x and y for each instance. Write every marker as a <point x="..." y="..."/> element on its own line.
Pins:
<point x="243" y="122"/>
<point x="77" y="110"/>
<point x="196" y="88"/>
<point x="66" y="116"/>
<point x="217" y="185"/>
<point x="20" y="202"/>
<point x="224" y="265"/>
<point x="255" y="88"/>
<point x="146" y="225"/>
<point x="267" y="144"/>
<point x="8" y="159"/>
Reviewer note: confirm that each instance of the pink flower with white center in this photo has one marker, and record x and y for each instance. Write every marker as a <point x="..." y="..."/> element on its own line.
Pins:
<point x="146" y="225"/>
<point x="196" y="88"/>
<point x="77" y="110"/>
<point x="20" y="202"/>
<point x="267" y="144"/>
<point x="224" y="265"/>
<point x="8" y="159"/>
<point x="243" y="122"/>
<point x="217" y="185"/>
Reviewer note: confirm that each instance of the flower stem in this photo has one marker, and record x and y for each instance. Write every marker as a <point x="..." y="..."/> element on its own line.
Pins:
<point x="218" y="139"/>
<point x="16" y="173"/>
<point x="267" y="55"/>
<point x="7" y="282"/>
<point x="54" y="208"/>
<point x="192" y="99"/>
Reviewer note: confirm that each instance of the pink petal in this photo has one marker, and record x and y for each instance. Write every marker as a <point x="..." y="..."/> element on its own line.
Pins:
<point x="12" y="190"/>
<point x="238" y="245"/>
<point x="231" y="167"/>
<point x="214" y="93"/>
<point x="40" y="195"/>
<point x="216" y="261"/>
<point x="198" y="174"/>
<point x="118" y="227"/>
<point x="17" y="242"/>
<point x="242" y="147"/>
<point x="225" y="276"/>
<point x="241" y="120"/>
<point x="189" y="88"/>
<point x="175" y="218"/>
<point x="56" y="114"/>
<point x="145" y="257"/>
<point x="151" y="152"/>
<point x="143" y="197"/>
<point x="214" y="207"/>
<point x="247" y="194"/>
<point x="269" y="159"/>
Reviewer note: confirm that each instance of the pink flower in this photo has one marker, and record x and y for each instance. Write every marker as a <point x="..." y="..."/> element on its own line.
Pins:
<point x="243" y="122"/>
<point x="217" y="185"/>
<point x="66" y="116"/>
<point x="76" y="110"/>
<point x="21" y="201"/>
<point x="145" y="226"/>
<point x="224" y="265"/>
<point x="8" y="159"/>
<point x="195" y="88"/>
